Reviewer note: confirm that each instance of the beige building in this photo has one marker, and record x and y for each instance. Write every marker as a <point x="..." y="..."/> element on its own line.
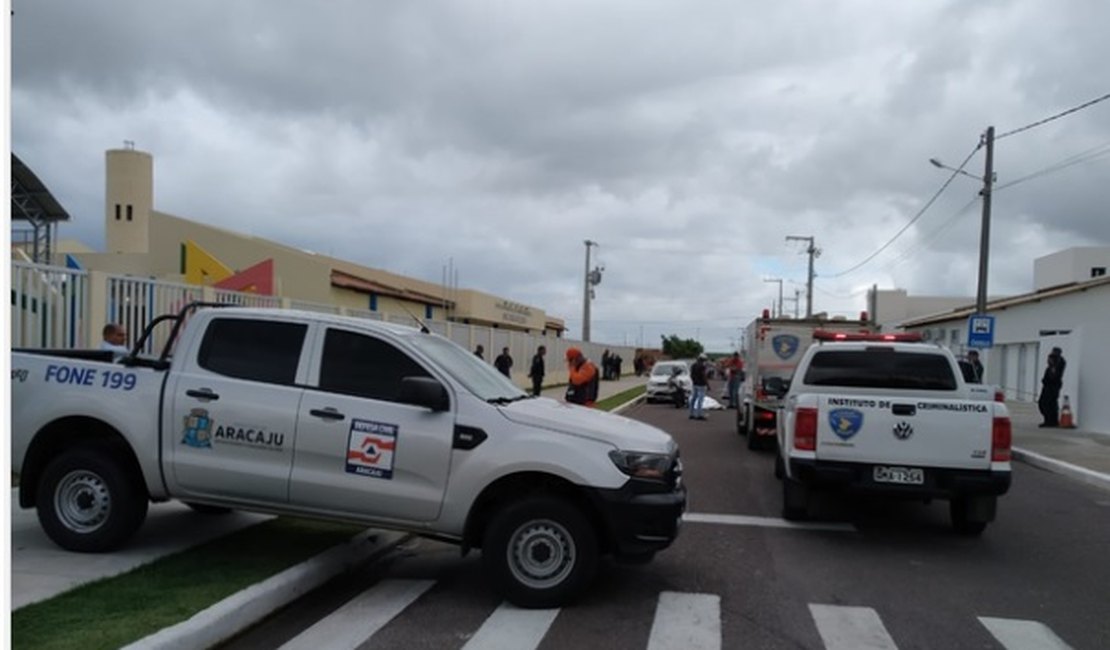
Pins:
<point x="141" y="241"/>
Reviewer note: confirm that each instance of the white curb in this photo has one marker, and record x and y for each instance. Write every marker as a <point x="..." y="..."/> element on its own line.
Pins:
<point x="1060" y="467"/>
<point x="241" y="610"/>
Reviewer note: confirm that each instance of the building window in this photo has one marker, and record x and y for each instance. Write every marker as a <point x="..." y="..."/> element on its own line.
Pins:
<point x="373" y="302"/>
<point x="129" y="213"/>
<point x="1098" y="271"/>
<point x="427" y="312"/>
<point x="117" y="212"/>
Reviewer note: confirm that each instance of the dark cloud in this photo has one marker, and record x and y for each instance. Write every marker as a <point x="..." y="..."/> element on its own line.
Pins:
<point x="689" y="141"/>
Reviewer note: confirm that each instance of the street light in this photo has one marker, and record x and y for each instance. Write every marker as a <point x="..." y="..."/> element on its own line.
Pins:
<point x="985" y="227"/>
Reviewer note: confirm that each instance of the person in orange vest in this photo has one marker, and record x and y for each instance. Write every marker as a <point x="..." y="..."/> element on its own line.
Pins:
<point x="582" y="388"/>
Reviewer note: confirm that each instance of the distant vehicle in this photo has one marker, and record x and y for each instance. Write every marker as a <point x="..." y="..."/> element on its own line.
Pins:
<point x="878" y="414"/>
<point x="774" y="348"/>
<point x="659" y="387"/>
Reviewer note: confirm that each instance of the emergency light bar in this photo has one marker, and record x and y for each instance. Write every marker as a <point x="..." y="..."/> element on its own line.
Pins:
<point x="827" y="335"/>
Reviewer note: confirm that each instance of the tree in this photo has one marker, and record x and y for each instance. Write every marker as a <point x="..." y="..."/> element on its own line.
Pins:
<point x="677" y="348"/>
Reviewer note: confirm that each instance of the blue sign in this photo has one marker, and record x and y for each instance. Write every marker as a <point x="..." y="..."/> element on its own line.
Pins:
<point x="785" y="345"/>
<point x="845" y="423"/>
<point x="980" y="331"/>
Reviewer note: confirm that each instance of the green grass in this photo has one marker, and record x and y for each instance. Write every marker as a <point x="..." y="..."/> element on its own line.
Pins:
<point x="115" y="611"/>
<point x="612" y="402"/>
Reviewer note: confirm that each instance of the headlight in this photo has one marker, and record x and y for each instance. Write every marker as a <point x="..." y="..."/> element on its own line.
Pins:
<point x="640" y="464"/>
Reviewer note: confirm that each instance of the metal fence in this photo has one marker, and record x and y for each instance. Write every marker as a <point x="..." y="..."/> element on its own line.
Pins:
<point x="52" y="308"/>
<point x="49" y="306"/>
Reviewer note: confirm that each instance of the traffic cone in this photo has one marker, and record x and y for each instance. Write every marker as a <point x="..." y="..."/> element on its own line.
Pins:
<point x="1066" y="420"/>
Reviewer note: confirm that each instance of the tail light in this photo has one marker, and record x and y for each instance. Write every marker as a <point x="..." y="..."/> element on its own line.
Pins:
<point x="805" y="429"/>
<point x="1001" y="437"/>
<point x="1000" y="396"/>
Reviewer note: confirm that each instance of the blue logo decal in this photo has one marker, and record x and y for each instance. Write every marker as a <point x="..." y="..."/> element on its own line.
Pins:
<point x="198" y="429"/>
<point x="845" y="423"/>
<point x="785" y="345"/>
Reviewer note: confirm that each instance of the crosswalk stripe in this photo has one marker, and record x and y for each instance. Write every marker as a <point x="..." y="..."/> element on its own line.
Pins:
<point x="851" y="628"/>
<point x="512" y="628"/>
<point x="362" y="616"/>
<point x="1016" y="634"/>
<point x="686" y="621"/>
<point x="765" y="522"/>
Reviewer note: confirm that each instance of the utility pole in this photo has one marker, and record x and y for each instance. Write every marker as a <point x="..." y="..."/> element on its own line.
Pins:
<point x="985" y="232"/>
<point x="813" y="252"/>
<point x="797" y="299"/>
<point x="779" y="280"/>
<point x="593" y="278"/>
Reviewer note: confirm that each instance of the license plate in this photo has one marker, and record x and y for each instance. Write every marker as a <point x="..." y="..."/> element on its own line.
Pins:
<point x="904" y="475"/>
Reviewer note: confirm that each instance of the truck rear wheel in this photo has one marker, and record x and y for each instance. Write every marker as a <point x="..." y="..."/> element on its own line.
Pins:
<point x="795" y="499"/>
<point x="970" y="515"/>
<point x="743" y="421"/>
<point x="88" y="501"/>
<point x="541" y="552"/>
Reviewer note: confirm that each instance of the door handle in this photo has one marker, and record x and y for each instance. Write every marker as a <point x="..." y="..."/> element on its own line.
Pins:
<point x="203" y="393"/>
<point x="328" y="414"/>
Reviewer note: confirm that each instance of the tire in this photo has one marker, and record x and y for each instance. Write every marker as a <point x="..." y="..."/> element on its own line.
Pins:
<point x="541" y="552"/>
<point x="205" y="509"/>
<point x="754" y="442"/>
<point x="795" y="500"/>
<point x="959" y="510"/>
<point x="89" y="502"/>
<point x="780" y="469"/>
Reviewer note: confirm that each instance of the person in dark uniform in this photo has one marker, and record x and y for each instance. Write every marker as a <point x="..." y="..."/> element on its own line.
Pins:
<point x="480" y="352"/>
<point x="504" y="363"/>
<point x="537" y="370"/>
<point x="1053" y="379"/>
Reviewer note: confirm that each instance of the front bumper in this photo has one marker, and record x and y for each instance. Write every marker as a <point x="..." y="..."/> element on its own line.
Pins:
<point x="641" y="517"/>
<point x="941" y="483"/>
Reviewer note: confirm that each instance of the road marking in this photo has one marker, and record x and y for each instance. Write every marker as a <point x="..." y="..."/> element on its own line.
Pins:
<point x="512" y="628"/>
<point x="765" y="522"/>
<point x="1015" y="634"/>
<point x="362" y="616"/>
<point x="686" y="622"/>
<point x="851" y="628"/>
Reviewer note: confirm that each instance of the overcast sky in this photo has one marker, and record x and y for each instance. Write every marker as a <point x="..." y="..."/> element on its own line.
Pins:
<point x="688" y="139"/>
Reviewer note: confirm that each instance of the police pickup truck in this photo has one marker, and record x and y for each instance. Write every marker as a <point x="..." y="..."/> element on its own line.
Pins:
<point x="879" y="414"/>
<point x="322" y="416"/>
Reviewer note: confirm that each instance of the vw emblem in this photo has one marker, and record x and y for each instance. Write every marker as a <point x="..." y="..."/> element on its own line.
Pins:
<point x="903" y="430"/>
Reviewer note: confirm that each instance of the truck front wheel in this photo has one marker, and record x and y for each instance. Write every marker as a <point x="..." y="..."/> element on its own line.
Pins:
<point x="541" y="552"/>
<point x="87" y="501"/>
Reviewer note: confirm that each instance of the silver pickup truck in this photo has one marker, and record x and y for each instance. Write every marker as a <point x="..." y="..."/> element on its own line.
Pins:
<point x="331" y="417"/>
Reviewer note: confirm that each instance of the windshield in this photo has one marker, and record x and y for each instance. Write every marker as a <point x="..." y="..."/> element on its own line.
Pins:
<point x="665" y="369"/>
<point x="475" y="375"/>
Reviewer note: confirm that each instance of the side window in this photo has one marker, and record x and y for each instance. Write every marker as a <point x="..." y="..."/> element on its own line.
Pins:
<point x="356" y="364"/>
<point x="258" y="350"/>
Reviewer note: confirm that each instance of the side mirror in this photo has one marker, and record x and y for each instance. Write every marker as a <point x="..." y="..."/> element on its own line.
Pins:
<point x="424" y="391"/>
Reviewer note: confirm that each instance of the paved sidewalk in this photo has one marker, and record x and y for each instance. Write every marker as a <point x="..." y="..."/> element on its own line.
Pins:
<point x="1078" y="453"/>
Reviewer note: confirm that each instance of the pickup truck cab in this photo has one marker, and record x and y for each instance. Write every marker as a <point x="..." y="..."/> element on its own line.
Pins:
<point x="341" y="418"/>
<point x="877" y="414"/>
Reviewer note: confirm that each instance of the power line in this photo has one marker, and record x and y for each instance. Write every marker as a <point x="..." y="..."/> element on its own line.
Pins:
<point x="917" y="216"/>
<point x="1086" y="156"/>
<point x="1053" y="117"/>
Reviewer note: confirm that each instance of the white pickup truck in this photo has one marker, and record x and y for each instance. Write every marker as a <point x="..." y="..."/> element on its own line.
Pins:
<point x="873" y="413"/>
<point x="331" y="417"/>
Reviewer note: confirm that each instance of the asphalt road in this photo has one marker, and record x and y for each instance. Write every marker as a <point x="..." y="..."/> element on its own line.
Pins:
<point x="867" y="574"/>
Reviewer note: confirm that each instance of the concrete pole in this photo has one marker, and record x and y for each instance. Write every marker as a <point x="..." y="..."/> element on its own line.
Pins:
<point x="586" y="296"/>
<point x="985" y="232"/>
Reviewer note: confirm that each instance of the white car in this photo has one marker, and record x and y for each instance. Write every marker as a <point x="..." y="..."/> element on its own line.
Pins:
<point x="658" y="388"/>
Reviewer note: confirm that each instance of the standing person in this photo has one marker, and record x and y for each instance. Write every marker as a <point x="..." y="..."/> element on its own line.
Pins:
<point x="976" y="365"/>
<point x="1051" y="382"/>
<point x="699" y="374"/>
<point x="735" y="367"/>
<point x="504" y="363"/>
<point x="537" y="370"/>
<point x="114" y="338"/>
<point x="480" y="352"/>
<point x="606" y="365"/>
<point x="583" y="378"/>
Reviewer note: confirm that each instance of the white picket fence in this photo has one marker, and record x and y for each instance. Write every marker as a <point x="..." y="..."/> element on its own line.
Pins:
<point x="52" y="308"/>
